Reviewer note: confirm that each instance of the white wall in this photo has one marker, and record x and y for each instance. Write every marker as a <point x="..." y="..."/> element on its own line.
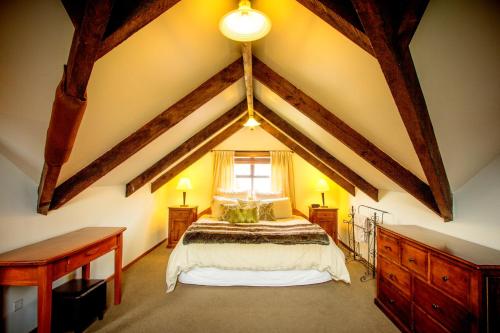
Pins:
<point x="476" y="209"/>
<point x="98" y="206"/>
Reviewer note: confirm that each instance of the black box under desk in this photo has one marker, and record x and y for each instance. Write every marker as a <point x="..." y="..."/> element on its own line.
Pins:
<point x="77" y="304"/>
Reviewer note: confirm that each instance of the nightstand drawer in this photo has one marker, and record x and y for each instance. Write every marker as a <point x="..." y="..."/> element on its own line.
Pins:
<point x="325" y="215"/>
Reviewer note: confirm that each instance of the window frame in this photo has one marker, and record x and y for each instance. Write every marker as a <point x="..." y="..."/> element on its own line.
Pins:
<point x="252" y="158"/>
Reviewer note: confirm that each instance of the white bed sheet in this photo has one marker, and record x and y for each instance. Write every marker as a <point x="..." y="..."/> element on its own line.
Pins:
<point x="223" y="277"/>
<point x="260" y="259"/>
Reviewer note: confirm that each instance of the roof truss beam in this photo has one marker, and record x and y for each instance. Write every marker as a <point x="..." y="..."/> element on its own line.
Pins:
<point x="197" y="154"/>
<point x="185" y="148"/>
<point x="70" y="101"/>
<point x="310" y="158"/>
<point x="316" y="150"/>
<point x="340" y="14"/>
<point x="348" y="136"/>
<point x="147" y="133"/>
<point x="397" y="65"/>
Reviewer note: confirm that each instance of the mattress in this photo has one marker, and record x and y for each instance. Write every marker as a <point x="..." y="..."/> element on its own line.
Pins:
<point x="223" y="277"/>
<point x="255" y="264"/>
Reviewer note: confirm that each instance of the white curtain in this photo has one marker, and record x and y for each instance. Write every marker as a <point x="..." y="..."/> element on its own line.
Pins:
<point x="223" y="172"/>
<point x="282" y="177"/>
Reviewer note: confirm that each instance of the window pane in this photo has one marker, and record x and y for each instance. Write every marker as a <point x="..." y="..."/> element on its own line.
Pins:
<point x="262" y="170"/>
<point x="243" y="184"/>
<point x="242" y="169"/>
<point x="262" y="184"/>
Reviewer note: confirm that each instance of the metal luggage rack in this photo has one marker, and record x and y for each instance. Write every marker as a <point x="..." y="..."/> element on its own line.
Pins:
<point x="374" y="217"/>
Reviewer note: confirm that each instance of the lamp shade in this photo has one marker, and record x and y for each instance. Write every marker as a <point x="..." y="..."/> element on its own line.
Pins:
<point x="184" y="184"/>
<point x="245" y="24"/>
<point x="322" y="186"/>
<point x="251" y="122"/>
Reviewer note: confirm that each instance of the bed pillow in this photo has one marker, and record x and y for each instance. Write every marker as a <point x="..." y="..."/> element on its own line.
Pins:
<point x="248" y="203"/>
<point x="217" y="203"/>
<point x="268" y="195"/>
<point x="229" y="213"/>
<point x="233" y="194"/>
<point x="282" y="208"/>
<point x="266" y="212"/>
<point x="235" y="214"/>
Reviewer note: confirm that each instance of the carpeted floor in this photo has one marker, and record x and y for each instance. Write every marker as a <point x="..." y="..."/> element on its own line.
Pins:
<point x="327" y="307"/>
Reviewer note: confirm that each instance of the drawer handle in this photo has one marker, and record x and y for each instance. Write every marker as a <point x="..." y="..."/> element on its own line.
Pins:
<point x="391" y="301"/>
<point x="435" y="306"/>
<point x="392" y="276"/>
<point x="388" y="248"/>
<point x="91" y="252"/>
<point x="412" y="260"/>
<point x="445" y="278"/>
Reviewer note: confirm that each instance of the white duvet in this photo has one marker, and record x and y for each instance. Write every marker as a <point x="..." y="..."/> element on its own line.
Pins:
<point x="257" y="257"/>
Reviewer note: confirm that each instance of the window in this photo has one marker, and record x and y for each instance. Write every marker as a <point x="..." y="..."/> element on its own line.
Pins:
<point x="252" y="171"/>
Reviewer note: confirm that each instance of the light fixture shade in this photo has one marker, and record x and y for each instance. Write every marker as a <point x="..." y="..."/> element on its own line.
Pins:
<point x="184" y="184"/>
<point x="245" y="24"/>
<point x="251" y="122"/>
<point x="322" y="186"/>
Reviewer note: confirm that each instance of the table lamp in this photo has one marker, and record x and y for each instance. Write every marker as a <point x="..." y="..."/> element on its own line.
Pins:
<point x="322" y="186"/>
<point x="184" y="185"/>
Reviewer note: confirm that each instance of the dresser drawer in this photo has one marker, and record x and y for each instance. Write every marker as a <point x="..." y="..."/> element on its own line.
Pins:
<point x="451" y="278"/>
<point x="425" y="324"/>
<point x="388" y="246"/>
<point x="442" y="308"/>
<point x="397" y="276"/>
<point x="394" y="301"/>
<point x="414" y="258"/>
<point x="87" y="255"/>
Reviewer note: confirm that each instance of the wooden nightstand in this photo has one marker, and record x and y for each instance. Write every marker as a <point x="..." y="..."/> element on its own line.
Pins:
<point x="179" y="219"/>
<point x="326" y="218"/>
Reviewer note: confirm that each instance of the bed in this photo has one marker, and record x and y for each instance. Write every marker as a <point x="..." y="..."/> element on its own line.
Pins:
<point x="262" y="264"/>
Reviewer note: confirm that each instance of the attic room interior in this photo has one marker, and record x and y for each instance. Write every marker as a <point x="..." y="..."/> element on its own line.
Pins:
<point x="250" y="166"/>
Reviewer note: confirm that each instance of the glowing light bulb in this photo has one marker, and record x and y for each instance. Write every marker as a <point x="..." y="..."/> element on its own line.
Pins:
<point x="245" y="24"/>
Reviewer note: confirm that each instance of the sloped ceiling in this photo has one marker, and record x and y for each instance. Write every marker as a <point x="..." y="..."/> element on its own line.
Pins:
<point x="183" y="47"/>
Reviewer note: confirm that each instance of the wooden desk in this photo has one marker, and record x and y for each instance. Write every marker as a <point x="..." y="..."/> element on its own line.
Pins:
<point x="42" y="263"/>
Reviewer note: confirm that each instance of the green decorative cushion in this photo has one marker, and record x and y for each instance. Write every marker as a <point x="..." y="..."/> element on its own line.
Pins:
<point x="248" y="203"/>
<point x="266" y="212"/>
<point x="229" y="212"/>
<point x="235" y="214"/>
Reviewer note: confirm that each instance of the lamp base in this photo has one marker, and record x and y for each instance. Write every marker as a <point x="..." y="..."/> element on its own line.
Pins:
<point x="183" y="205"/>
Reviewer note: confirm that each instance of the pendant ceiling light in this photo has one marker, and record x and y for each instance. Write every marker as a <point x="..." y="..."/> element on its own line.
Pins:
<point x="245" y="24"/>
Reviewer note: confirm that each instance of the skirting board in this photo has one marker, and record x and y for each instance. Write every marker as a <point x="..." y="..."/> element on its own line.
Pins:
<point x="127" y="266"/>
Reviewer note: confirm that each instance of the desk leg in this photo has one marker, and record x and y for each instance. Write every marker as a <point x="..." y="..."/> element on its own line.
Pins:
<point x="118" y="269"/>
<point x="86" y="272"/>
<point x="44" y="298"/>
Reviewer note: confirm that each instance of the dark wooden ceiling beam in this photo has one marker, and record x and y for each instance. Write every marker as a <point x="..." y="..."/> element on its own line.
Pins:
<point x="348" y="136"/>
<point x="408" y="19"/>
<point x="316" y="150"/>
<point x="147" y="133"/>
<point x="306" y="156"/>
<point x="185" y="148"/>
<point x="70" y="100"/>
<point x="401" y="76"/>
<point x="341" y="16"/>
<point x="145" y="12"/>
<point x="197" y="154"/>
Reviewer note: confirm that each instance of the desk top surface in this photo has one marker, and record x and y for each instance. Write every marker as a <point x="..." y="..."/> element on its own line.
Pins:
<point x="55" y="248"/>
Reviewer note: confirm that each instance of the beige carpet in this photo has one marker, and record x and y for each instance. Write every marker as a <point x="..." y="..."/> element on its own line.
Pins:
<point x="327" y="307"/>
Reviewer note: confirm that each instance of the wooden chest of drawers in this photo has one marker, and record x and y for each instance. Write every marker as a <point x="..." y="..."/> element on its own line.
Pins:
<point x="179" y="219"/>
<point x="431" y="282"/>
<point x="326" y="218"/>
